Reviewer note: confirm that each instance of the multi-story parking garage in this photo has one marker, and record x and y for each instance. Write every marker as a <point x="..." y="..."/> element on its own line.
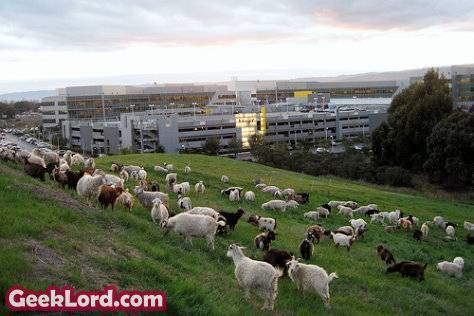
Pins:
<point x="107" y="119"/>
<point x="144" y="132"/>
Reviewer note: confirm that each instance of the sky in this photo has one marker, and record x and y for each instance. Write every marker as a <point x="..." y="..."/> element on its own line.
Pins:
<point x="48" y="44"/>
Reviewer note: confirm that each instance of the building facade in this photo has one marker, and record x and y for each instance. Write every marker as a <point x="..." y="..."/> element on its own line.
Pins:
<point x="144" y="132"/>
<point x="462" y="85"/>
<point x="107" y="119"/>
<point x="108" y="102"/>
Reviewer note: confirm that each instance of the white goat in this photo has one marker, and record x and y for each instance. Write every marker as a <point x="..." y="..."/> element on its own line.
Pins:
<point x="343" y="240"/>
<point x="451" y="232"/>
<point x="234" y="196"/>
<point x="376" y="218"/>
<point x="88" y="186"/>
<point x="255" y="275"/>
<point x="394" y="216"/>
<point x="313" y="215"/>
<point x="452" y="268"/>
<point x="344" y="210"/>
<point x="292" y="204"/>
<point x="193" y="225"/>
<point x="124" y="175"/>
<point x="277" y="205"/>
<point x="160" y="169"/>
<point x="249" y="196"/>
<point x="199" y="187"/>
<point x="224" y="179"/>
<point x="356" y="223"/>
<point x="159" y="212"/>
<point x="184" y="203"/>
<point x="202" y="210"/>
<point x="469" y="227"/>
<point x="425" y="229"/>
<point x="308" y="277"/>
<point x="266" y="223"/>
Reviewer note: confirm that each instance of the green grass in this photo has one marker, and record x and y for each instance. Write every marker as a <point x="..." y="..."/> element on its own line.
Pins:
<point x="98" y="247"/>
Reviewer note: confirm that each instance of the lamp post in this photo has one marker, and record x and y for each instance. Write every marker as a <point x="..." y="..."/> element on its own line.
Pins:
<point x="141" y="135"/>
<point x="194" y="110"/>
<point x="103" y="106"/>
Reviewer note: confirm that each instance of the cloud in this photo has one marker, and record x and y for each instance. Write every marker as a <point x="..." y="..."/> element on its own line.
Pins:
<point x="106" y="25"/>
<point x="389" y="15"/>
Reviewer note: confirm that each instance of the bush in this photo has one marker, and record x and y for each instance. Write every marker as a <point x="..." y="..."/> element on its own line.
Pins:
<point x="125" y="151"/>
<point x="211" y="146"/>
<point x="160" y="149"/>
<point x="394" y="176"/>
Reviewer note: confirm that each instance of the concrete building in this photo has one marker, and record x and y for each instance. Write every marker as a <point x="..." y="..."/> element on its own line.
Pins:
<point x="462" y="85"/>
<point x="174" y="130"/>
<point x="101" y="103"/>
<point x="53" y="111"/>
<point x="107" y="119"/>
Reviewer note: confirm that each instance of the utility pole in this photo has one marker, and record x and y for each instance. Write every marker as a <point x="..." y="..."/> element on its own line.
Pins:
<point x="141" y="135"/>
<point x="103" y="107"/>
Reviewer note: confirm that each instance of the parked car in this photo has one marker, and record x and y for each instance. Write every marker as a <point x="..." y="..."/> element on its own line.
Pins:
<point x="321" y="150"/>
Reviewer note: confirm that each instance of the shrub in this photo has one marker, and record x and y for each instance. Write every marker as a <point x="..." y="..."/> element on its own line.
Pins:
<point x="394" y="176"/>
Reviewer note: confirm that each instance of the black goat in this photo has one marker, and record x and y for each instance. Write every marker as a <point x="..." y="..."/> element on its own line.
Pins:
<point x="73" y="178"/>
<point x="232" y="218"/>
<point x="50" y="167"/>
<point x="301" y="198"/>
<point x="326" y="206"/>
<point x="306" y="249"/>
<point x="264" y="240"/>
<point x="155" y="187"/>
<point x="417" y="234"/>
<point x="409" y="268"/>
<point x="385" y="255"/>
<point x="278" y="258"/>
<point x="34" y="170"/>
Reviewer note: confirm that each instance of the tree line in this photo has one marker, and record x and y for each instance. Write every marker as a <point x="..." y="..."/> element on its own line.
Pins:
<point x="10" y="109"/>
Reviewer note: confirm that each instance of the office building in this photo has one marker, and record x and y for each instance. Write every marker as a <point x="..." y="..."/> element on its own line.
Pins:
<point x="462" y="85"/>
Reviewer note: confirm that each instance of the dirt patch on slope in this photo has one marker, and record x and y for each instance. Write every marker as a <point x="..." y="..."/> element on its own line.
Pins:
<point x="58" y="195"/>
<point x="85" y="258"/>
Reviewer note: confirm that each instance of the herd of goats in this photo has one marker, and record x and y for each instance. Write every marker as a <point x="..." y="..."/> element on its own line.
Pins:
<point x="95" y="185"/>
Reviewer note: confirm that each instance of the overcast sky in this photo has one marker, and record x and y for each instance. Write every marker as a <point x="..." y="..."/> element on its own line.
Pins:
<point x="46" y="43"/>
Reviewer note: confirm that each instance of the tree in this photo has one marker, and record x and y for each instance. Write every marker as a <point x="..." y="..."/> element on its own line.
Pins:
<point x="450" y="150"/>
<point x="235" y="146"/>
<point x="211" y="146"/>
<point x="412" y="115"/>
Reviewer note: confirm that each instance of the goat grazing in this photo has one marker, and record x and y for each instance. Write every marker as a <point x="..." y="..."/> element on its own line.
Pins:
<point x="255" y="275"/>
<point x="264" y="240"/>
<point x="308" y="277"/>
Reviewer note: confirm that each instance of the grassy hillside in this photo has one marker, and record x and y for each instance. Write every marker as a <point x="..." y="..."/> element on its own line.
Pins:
<point x="50" y="236"/>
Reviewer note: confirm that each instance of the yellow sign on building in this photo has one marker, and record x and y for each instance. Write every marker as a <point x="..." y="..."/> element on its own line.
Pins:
<point x="302" y="94"/>
<point x="263" y="120"/>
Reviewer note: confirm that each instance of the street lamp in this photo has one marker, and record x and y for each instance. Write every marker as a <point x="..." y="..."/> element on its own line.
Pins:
<point x="103" y="106"/>
<point x="194" y="110"/>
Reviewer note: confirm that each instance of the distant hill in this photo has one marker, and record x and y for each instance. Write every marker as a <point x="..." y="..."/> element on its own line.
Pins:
<point x="26" y="95"/>
<point x="402" y="75"/>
